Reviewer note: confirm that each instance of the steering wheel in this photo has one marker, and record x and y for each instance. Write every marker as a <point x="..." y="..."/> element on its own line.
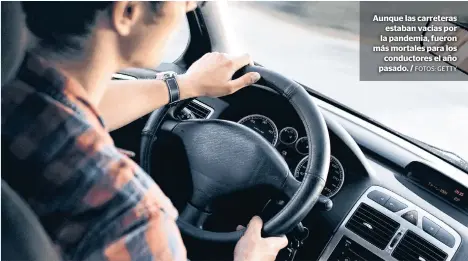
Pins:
<point x="225" y="157"/>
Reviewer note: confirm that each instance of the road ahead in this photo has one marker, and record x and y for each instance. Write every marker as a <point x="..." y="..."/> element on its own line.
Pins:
<point x="434" y="112"/>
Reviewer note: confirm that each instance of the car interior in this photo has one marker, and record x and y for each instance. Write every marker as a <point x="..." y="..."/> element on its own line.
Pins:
<point x="340" y="185"/>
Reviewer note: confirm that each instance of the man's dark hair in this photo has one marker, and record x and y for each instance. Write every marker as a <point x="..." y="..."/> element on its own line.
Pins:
<point x="60" y="24"/>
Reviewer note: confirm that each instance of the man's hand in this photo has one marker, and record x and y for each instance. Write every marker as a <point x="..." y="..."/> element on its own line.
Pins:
<point x="252" y="247"/>
<point x="211" y="76"/>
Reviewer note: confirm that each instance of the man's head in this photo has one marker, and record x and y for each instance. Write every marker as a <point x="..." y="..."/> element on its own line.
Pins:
<point x="135" y="32"/>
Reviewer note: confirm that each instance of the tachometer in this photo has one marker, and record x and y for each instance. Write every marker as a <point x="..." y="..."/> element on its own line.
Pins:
<point x="335" y="177"/>
<point x="263" y="125"/>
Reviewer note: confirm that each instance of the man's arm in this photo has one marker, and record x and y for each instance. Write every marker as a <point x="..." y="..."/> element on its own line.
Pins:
<point x="126" y="101"/>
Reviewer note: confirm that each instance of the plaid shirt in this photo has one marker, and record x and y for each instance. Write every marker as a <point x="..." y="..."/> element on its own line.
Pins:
<point x="93" y="201"/>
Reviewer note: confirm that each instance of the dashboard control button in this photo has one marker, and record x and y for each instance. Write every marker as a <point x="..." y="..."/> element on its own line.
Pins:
<point x="378" y="197"/>
<point x="445" y="237"/>
<point x="430" y="227"/>
<point x="411" y="216"/>
<point x="394" y="205"/>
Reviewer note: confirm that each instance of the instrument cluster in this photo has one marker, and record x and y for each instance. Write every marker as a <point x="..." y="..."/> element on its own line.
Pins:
<point x="295" y="150"/>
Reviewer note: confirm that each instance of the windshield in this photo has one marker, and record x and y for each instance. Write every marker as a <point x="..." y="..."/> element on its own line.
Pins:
<point x="317" y="44"/>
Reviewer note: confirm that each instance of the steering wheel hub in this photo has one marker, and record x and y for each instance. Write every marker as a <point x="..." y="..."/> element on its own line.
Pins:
<point x="225" y="157"/>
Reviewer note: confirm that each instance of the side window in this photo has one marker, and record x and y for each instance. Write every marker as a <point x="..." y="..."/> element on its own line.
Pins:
<point x="177" y="43"/>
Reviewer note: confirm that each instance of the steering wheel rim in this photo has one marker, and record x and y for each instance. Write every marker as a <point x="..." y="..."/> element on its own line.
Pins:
<point x="304" y="195"/>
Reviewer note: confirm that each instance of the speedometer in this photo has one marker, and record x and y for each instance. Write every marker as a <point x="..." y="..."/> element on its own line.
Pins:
<point x="262" y="125"/>
<point x="335" y="177"/>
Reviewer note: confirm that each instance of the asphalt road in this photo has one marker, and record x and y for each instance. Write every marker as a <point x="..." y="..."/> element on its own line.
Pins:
<point x="328" y="61"/>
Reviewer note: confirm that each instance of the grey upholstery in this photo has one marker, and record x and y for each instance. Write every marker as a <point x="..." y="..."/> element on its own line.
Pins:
<point x="23" y="237"/>
<point x="14" y="39"/>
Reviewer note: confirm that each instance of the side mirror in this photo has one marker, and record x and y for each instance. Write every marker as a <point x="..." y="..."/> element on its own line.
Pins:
<point x="449" y="41"/>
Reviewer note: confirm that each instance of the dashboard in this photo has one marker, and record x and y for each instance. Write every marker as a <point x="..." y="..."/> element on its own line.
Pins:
<point x="389" y="204"/>
<point x="361" y="226"/>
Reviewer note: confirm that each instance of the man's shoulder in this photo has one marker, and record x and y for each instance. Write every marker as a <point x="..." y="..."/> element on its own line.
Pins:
<point x="35" y="125"/>
<point x="24" y="109"/>
<point x="19" y="97"/>
<point x="53" y="145"/>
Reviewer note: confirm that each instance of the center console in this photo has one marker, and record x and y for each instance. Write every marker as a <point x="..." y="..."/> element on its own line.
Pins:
<point x="385" y="226"/>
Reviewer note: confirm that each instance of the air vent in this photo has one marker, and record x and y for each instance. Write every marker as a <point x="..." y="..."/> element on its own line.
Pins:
<point x="414" y="247"/>
<point x="199" y="109"/>
<point x="372" y="225"/>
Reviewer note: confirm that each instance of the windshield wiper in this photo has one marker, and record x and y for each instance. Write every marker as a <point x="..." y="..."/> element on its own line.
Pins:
<point x="446" y="155"/>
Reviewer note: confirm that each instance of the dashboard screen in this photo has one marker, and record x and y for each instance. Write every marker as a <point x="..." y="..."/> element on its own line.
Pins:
<point x="439" y="184"/>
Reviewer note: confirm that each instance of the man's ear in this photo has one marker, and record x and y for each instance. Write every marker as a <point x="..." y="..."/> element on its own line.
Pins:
<point x="124" y="15"/>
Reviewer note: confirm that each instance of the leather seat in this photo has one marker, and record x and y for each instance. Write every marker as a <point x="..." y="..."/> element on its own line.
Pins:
<point x="23" y="237"/>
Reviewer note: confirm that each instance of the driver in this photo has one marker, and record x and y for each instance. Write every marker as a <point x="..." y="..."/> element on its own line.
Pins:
<point x="93" y="201"/>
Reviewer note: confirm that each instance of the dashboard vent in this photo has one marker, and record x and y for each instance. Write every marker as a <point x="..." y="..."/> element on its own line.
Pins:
<point x="199" y="109"/>
<point x="372" y="225"/>
<point x="414" y="247"/>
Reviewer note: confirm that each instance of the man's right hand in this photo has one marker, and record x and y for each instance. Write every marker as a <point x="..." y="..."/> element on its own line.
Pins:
<point x="252" y="247"/>
<point x="212" y="74"/>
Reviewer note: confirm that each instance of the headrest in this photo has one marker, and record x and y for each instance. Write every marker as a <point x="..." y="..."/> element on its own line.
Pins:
<point x="14" y="39"/>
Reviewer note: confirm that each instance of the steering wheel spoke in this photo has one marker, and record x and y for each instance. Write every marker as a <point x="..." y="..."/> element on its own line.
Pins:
<point x="194" y="216"/>
<point x="290" y="186"/>
<point x="169" y="125"/>
<point x="282" y="180"/>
